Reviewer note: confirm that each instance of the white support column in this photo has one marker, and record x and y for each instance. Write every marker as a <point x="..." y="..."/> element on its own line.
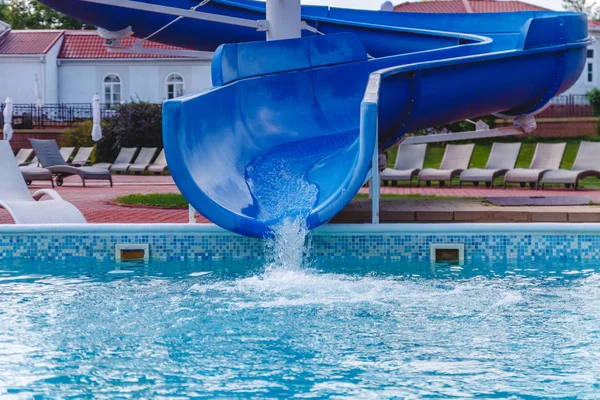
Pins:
<point x="191" y="214"/>
<point x="374" y="185"/>
<point x="284" y="19"/>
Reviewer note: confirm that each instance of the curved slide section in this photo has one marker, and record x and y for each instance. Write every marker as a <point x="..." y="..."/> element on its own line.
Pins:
<point x="280" y="135"/>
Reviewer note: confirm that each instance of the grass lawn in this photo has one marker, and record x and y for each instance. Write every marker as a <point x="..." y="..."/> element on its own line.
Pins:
<point x="176" y="200"/>
<point x="435" y="152"/>
<point x="155" y="200"/>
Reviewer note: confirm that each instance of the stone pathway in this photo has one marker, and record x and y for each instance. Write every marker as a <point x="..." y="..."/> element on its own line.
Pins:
<point x="93" y="199"/>
<point x="429" y="211"/>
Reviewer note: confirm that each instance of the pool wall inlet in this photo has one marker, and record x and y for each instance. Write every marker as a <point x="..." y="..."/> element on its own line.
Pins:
<point x="396" y="242"/>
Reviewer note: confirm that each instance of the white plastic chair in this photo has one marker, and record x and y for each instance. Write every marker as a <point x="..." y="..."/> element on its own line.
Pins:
<point x="22" y="206"/>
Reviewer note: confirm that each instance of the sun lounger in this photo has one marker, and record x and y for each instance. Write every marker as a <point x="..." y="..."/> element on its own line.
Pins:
<point x="587" y="164"/>
<point x="123" y="159"/>
<point x="503" y="158"/>
<point x="22" y="206"/>
<point x="34" y="162"/>
<point x="143" y="160"/>
<point x="50" y="158"/>
<point x="23" y="155"/>
<point x="409" y="162"/>
<point x="547" y="156"/>
<point x="159" y="166"/>
<point x="457" y="158"/>
<point x="82" y="157"/>
<point x="66" y="152"/>
<point x="31" y="174"/>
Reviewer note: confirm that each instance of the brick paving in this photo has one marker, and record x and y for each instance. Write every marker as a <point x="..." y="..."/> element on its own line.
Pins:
<point x="511" y="191"/>
<point x="93" y="199"/>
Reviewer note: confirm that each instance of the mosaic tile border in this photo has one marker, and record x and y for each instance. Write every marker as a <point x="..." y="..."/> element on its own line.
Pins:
<point x="396" y="242"/>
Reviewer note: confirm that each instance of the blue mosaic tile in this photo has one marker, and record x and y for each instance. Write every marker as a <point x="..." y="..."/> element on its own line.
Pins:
<point x="395" y="246"/>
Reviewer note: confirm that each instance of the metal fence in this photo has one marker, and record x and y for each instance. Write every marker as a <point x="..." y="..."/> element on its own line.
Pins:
<point x="30" y="116"/>
<point x="568" y="106"/>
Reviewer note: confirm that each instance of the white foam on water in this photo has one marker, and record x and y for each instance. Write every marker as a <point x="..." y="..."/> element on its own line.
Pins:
<point x="287" y="250"/>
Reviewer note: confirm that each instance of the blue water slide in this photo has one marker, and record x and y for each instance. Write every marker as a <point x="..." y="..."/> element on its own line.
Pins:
<point x="290" y="127"/>
<point x="374" y="28"/>
<point x="284" y="120"/>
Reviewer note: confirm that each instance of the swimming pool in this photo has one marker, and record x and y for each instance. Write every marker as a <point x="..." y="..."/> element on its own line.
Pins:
<point x="371" y="329"/>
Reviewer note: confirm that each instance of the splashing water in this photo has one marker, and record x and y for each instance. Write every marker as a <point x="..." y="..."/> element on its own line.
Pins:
<point x="285" y="196"/>
<point x="287" y="248"/>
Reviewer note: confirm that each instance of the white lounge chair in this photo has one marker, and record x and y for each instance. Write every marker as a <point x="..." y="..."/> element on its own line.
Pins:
<point x="23" y="155"/>
<point x="34" y="162"/>
<point x="143" y="160"/>
<point x="547" y="156"/>
<point x="123" y="159"/>
<point x="159" y="165"/>
<point x="82" y="157"/>
<point x="457" y="158"/>
<point x="586" y="165"/>
<point x="409" y="162"/>
<point x="502" y="159"/>
<point x="66" y="152"/>
<point x="22" y="206"/>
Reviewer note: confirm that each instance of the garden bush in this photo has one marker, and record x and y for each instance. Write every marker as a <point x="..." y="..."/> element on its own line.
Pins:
<point x="136" y="124"/>
<point x="594" y="97"/>
<point x="78" y="136"/>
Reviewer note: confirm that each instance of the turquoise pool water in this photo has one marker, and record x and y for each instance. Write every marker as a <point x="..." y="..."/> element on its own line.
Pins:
<point x="361" y="330"/>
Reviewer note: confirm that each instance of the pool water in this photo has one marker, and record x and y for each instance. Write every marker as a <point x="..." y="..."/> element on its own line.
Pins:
<point x="360" y="330"/>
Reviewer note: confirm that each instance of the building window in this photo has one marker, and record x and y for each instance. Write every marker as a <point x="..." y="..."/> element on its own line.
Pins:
<point x="112" y="89"/>
<point x="175" y="86"/>
<point x="590" y="66"/>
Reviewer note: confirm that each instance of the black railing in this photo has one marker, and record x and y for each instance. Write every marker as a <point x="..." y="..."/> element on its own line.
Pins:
<point x="30" y="116"/>
<point x="568" y="106"/>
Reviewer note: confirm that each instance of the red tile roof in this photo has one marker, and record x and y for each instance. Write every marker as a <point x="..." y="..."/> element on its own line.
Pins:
<point x="458" y="6"/>
<point x="593" y="24"/>
<point x="88" y="45"/>
<point x="478" y="6"/>
<point x="29" y="42"/>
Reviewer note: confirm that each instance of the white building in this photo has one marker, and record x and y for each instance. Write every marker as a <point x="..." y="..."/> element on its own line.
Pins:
<point x="71" y="66"/>
<point x="590" y="76"/>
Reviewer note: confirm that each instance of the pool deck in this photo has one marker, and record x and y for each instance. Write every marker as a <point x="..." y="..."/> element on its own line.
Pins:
<point x="428" y="211"/>
<point x="94" y="202"/>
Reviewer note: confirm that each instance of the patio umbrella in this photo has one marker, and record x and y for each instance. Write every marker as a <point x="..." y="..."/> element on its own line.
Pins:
<point x="8" y="110"/>
<point x="38" y="98"/>
<point x="96" y="129"/>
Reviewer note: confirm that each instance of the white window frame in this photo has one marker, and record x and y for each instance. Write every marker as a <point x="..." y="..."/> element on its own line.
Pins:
<point x="589" y="68"/>
<point x="112" y="88"/>
<point x="175" y="84"/>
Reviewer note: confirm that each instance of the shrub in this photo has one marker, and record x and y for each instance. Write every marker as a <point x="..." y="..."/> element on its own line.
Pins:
<point x="594" y="97"/>
<point x="78" y="136"/>
<point x="136" y="124"/>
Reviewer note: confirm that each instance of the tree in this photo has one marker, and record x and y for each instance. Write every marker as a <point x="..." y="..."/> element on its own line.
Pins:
<point x="27" y="14"/>
<point x="583" y="6"/>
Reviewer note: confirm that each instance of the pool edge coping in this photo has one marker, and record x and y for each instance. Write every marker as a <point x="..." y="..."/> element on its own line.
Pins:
<point x="326" y="230"/>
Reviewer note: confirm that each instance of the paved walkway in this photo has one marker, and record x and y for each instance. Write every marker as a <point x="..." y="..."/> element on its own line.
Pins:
<point x="428" y="211"/>
<point x="93" y="202"/>
<point x="93" y="199"/>
<point x="511" y="191"/>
